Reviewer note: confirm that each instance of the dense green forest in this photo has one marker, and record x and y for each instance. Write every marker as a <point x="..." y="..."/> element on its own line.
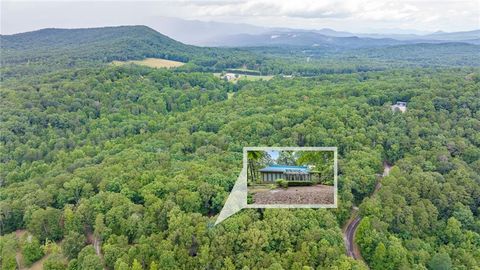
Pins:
<point x="127" y="167"/>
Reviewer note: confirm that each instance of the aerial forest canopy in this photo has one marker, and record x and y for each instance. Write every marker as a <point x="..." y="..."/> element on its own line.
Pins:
<point x="127" y="167"/>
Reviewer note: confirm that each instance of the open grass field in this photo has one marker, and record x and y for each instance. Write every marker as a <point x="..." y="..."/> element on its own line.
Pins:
<point x="246" y="77"/>
<point x="243" y="71"/>
<point x="255" y="77"/>
<point x="151" y="62"/>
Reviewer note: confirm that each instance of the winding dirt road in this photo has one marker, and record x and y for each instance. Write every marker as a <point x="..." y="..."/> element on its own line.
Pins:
<point x="352" y="225"/>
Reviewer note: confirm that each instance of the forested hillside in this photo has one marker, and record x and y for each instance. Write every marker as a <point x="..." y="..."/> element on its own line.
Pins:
<point x="48" y="50"/>
<point x="127" y="167"/>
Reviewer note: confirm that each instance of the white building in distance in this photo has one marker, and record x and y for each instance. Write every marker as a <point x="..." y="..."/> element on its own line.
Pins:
<point x="399" y="106"/>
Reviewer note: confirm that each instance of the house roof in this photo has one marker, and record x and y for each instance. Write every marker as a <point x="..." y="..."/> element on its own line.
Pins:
<point x="285" y="169"/>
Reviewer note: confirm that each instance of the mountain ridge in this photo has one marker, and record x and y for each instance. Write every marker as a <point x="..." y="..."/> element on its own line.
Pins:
<point x="202" y="33"/>
<point x="317" y="39"/>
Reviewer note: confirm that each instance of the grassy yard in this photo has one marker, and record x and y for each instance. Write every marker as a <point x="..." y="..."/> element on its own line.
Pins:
<point x="151" y="62"/>
<point x="255" y="77"/>
<point x="243" y="71"/>
<point x="247" y="77"/>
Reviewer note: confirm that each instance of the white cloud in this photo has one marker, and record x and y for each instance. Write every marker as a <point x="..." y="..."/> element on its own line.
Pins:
<point x="349" y="15"/>
<point x="450" y="15"/>
<point x="302" y="8"/>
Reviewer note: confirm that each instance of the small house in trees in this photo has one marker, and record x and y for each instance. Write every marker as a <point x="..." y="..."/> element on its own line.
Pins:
<point x="400" y="106"/>
<point x="230" y="76"/>
<point x="289" y="173"/>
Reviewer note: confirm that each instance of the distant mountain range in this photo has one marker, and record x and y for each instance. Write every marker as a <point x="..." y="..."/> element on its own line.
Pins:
<point x="317" y="39"/>
<point x="468" y="36"/>
<point x="302" y="39"/>
<point x="47" y="50"/>
<point x="234" y="35"/>
<point x="200" y="32"/>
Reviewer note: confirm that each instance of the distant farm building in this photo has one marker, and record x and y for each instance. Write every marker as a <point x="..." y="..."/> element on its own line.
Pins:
<point x="399" y="106"/>
<point x="230" y="76"/>
<point x="289" y="173"/>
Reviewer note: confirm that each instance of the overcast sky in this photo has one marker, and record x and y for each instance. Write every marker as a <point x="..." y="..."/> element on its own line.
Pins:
<point x="361" y="16"/>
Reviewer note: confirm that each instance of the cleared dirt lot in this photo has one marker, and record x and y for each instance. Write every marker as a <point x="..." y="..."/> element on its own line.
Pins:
<point x="318" y="194"/>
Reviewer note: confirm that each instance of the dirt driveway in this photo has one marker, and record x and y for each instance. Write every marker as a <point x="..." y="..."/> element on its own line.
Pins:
<point x="318" y="194"/>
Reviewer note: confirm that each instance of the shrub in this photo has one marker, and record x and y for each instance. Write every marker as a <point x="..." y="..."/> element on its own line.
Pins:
<point x="299" y="183"/>
<point x="32" y="250"/>
<point x="72" y="244"/>
<point x="282" y="183"/>
<point x="249" y="199"/>
<point x="55" y="262"/>
<point x="328" y="182"/>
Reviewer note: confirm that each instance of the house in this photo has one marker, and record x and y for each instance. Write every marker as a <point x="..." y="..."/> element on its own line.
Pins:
<point x="230" y="76"/>
<point x="289" y="173"/>
<point x="400" y="106"/>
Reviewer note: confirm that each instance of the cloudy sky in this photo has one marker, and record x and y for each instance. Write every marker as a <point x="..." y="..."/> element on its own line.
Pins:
<point x="361" y="16"/>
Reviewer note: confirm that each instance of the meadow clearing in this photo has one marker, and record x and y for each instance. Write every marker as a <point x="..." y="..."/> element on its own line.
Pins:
<point x="151" y="62"/>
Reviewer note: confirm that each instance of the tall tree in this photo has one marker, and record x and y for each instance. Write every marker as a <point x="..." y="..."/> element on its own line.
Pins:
<point x="46" y="224"/>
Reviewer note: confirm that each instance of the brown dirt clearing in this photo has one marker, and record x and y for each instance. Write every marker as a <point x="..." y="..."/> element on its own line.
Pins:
<point x="318" y="194"/>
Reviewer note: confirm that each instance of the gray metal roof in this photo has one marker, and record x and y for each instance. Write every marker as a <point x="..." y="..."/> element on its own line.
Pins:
<point x="286" y="169"/>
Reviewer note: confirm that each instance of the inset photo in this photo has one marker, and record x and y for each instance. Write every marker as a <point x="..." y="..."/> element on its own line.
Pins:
<point x="291" y="176"/>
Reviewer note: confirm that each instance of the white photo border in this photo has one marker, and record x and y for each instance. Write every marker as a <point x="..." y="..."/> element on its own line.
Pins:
<point x="335" y="175"/>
